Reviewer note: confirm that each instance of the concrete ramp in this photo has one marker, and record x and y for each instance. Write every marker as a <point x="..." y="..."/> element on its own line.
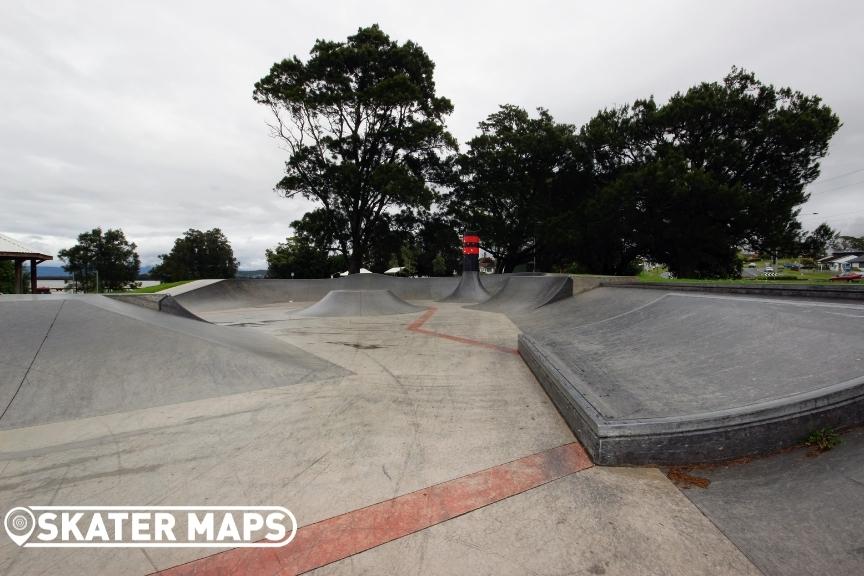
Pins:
<point x="248" y="293"/>
<point x="71" y="357"/>
<point x="669" y="377"/>
<point x="359" y="303"/>
<point x="470" y="289"/>
<point x="524" y="293"/>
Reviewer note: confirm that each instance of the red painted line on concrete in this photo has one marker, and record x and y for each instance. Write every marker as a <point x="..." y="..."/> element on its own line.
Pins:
<point x="416" y="326"/>
<point x="342" y="536"/>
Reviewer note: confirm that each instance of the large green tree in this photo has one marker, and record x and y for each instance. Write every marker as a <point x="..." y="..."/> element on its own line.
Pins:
<point x="7" y="277"/>
<point x="505" y="181"/>
<point x="764" y="142"/>
<point x="107" y="256"/>
<point x="721" y="166"/>
<point x="298" y="258"/>
<point x="364" y="127"/>
<point x="196" y="255"/>
<point x="816" y="244"/>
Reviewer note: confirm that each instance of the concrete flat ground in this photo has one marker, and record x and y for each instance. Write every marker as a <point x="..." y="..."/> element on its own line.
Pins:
<point x="795" y="513"/>
<point x="424" y="399"/>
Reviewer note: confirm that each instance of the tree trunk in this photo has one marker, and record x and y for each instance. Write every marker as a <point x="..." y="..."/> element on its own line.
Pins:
<point x="356" y="261"/>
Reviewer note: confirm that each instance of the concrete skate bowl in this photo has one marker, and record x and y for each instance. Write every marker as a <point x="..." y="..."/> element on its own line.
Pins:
<point x="666" y="377"/>
<point x="359" y="303"/>
<point x="70" y="357"/>
<point x="249" y="293"/>
<point x="524" y="293"/>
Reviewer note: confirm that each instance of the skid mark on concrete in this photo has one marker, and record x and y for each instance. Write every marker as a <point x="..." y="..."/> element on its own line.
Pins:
<point x="417" y="326"/>
<point x="342" y="536"/>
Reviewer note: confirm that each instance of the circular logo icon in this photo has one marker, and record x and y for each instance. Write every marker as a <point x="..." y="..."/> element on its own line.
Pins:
<point x="19" y="523"/>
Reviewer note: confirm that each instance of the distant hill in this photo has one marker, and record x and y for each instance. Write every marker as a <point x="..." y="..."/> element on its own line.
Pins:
<point x="57" y="271"/>
<point x="252" y="273"/>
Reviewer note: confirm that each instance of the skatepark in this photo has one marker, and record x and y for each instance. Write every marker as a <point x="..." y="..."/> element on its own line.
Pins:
<point x="513" y="423"/>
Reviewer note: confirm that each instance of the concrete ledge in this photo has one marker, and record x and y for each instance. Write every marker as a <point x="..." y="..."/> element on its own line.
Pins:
<point x="786" y="290"/>
<point x="689" y="438"/>
<point x="585" y="282"/>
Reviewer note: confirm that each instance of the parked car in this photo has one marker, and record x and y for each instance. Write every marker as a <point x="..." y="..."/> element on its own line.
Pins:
<point x="751" y="265"/>
<point x="795" y="267"/>
<point x="848" y="277"/>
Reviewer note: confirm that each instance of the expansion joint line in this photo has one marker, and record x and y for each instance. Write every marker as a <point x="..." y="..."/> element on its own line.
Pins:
<point x="33" y="360"/>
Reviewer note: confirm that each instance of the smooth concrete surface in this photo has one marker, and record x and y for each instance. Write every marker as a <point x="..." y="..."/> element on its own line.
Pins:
<point x="158" y="301"/>
<point x="409" y="411"/>
<point x="190" y="286"/>
<point x="665" y="354"/>
<point x="359" y="303"/>
<point x="793" y="514"/>
<point x="643" y="376"/>
<point x="834" y="291"/>
<point x="601" y="521"/>
<point x="90" y="355"/>
<point x="469" y="289"/>
<point x="239" y="293"/>
<point x="585" y="282"/>
<point x="249" y="293"/>
<point x="524" y="293"/>
<point x="383" y="412"/>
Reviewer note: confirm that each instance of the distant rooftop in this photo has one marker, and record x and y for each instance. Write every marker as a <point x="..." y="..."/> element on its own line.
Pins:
<point x="11" y="248"/>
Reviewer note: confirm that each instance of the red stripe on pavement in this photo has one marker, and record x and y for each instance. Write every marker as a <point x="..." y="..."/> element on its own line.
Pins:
<point x="342" y="536"/>
<point x="416" y="326"/>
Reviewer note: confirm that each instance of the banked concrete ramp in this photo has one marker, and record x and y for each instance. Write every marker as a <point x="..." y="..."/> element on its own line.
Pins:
<point x="70" y="357"/>
<point x="359" y="303"/>
<point x="645" y="376"/>
<point x="246" y="293"/>
<point x="523" y="293"/>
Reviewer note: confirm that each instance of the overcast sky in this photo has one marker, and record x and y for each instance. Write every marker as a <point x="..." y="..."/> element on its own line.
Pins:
<point x="139" y="115"/>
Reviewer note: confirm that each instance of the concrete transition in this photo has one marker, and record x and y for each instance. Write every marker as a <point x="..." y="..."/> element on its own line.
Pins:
<point x="523" y="293"/>
<point x="249" y="293"/>
<point x="470" y="288"/>
<point x="159" y="302"/>
<point x="359" y="303"/>
<point x="677" y="377"/>
<point x="70" y="357"/>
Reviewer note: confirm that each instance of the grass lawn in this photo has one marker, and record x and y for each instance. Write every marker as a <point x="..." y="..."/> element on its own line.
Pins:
<point x="158" y="287"/>
<point x="802" y="277"/>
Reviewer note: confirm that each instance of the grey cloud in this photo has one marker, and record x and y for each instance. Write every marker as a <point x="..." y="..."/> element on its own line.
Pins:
<point x="139" y="115"/>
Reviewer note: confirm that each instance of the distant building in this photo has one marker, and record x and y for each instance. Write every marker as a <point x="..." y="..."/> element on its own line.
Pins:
<point x="842" y="261"/>
<point x="487" y="265"/>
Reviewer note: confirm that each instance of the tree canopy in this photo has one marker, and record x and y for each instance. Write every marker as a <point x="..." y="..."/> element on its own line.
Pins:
<point x="197" y="255"/>
<point x="505" y="181"/>
<point x="365" y="131"/>
<point x="719" y="167"/>
<point x="109" y="254"/>
<point x="297" y="257"/>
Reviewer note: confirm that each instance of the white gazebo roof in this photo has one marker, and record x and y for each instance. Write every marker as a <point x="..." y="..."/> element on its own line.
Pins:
<point x="362" y="271"/>
<point x="11" y="248"/>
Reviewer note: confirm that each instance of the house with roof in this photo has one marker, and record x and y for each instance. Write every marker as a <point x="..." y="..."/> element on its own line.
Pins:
<point x="19" y="253"/>
<point x="842" y="261"/>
